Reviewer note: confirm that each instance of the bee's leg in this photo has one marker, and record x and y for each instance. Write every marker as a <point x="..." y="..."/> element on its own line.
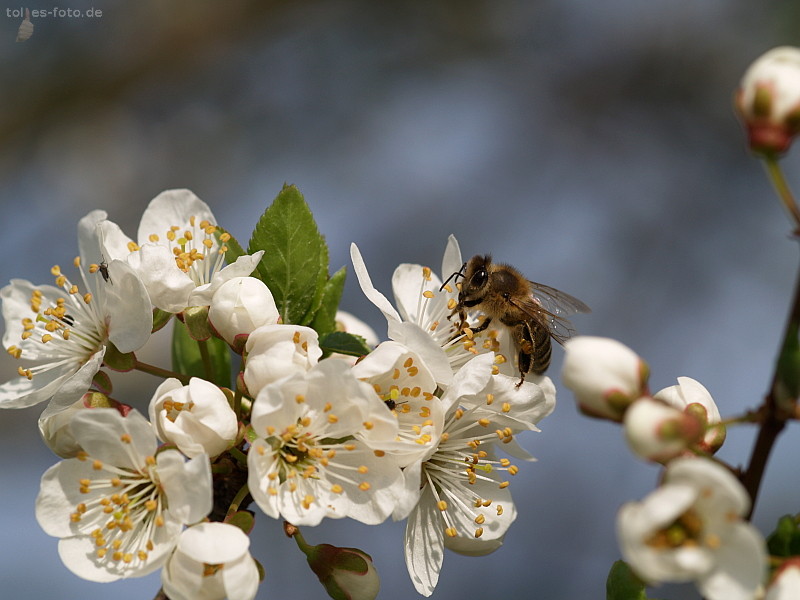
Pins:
<point x="524" y="340"/>
<point x="483" y="325"/>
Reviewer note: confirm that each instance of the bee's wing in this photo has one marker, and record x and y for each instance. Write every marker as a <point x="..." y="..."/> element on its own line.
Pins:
<point x="557" y="302"/>
<point x="549" y="307"/>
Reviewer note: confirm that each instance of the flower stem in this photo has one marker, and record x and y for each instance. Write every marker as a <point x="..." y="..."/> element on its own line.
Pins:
<point x="240" y="456"/>
<point x="237" y="500"/>
<point x="159" y="372"/>
<point x="778" y="404"/>
<point x="208" y="367"/>
<point x="775" y="174"/>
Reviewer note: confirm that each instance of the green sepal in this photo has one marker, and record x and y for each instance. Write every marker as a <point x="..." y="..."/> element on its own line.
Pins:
<point x="341" y="342"/>
<point x="102" y="382"/>
<point x="160" y="318"/>
<point x="250" y="434"/>
<point x="293" y="251"/>
<point x="196" y="320"/>
<point x="117" y="361"/>
<point x="325" y="318"/>
<point x="187" y="357"/>
<point x="243" y="519"/>
<point x="623" y="584"/>
<point x="261" y="571"/>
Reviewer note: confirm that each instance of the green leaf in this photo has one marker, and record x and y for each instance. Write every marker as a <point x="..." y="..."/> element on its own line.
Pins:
<point x="343" y="343"/>
<point x="622" y="584"/>
<point x="322" y="279"/>
<point x="209" y="359"/>
<point x="785" y="540"/>
<point x="293" y="250"/>
<point x="325" y="318"/>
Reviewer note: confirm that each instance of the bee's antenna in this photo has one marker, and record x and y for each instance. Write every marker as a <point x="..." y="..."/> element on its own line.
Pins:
<point x="456" y="275"/>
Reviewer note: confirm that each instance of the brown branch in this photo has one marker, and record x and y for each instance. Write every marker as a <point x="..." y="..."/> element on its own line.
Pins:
<point x="775" y="410"/>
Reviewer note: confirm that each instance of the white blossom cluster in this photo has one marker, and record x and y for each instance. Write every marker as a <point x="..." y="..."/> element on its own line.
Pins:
<point x="693" y="526"/>
<point x="423" y="427"/>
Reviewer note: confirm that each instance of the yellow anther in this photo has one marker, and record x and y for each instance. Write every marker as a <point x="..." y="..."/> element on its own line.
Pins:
<point x="364" y="486"/>
<point x="125" y="438"/>
<point x="479" y="532"/>
<point x="428" y="294"/>
<point x="336" y="488"/>
<point x="441" y="505"/>
<point x="451" y="532"/>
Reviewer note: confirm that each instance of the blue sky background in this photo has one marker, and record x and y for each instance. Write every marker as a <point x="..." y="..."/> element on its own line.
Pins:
<point x="593" y="145"/>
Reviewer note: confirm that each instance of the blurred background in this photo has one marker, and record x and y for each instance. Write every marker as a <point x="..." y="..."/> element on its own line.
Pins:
<point x="592" y="145"/>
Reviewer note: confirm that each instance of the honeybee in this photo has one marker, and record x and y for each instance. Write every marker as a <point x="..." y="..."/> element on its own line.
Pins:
<point x="533" y="312"/>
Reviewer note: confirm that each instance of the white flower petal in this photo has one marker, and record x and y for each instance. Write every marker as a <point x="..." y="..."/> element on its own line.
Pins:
<point x="122" y="441"/>
<point x="369" y="290"/>
<point x="167" y="286"/>
<point x="451" y="261"/>
<point x="127" y="305"/>
<point x="740" y="566"/>
<point x="22" y="392"/>
<point x="187" y="485"/>
<point x="412" y="336"/>
<point x="240" y="579"/>
<point x="214" y="543"/>
<point x="243" y="267"/>
<point x="172" y="207"/>
<point x="424" y="544"/>
<point x="408" y="286"/>
<point x="73" y="387"/>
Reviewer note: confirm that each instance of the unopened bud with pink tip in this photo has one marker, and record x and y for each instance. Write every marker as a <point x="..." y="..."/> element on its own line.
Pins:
<point x="785" y="584"/>
<point x="693" y="398"/>
<point x="605" y="375"/>
<point x="659" y="432"/>
<point x="768" y="100"/>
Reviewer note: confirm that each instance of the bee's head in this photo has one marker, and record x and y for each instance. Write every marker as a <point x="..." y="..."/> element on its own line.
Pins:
<point x="476" y="278"/>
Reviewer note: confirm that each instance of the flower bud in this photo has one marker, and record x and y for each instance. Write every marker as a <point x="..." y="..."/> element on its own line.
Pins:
<point x="659" y="432"/>
<point x="604" y="374"/>
<point x="692" y="398"/>
<point x="768" y="100"/>
<point x="196" y="417"/>
<point x="346" y="573"/>
<point x="785" y="583"/>
<point x="240" y="306"/>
